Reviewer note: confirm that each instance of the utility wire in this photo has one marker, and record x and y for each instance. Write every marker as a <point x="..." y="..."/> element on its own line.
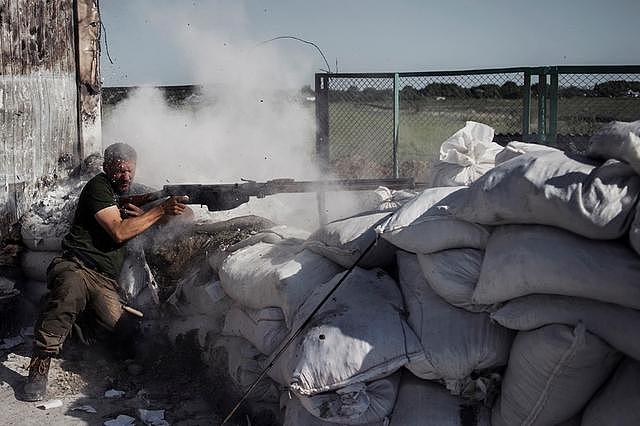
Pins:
<point x="298" y="331"/>
<point x="302" y="41"/>
<point x="106" y="42"/>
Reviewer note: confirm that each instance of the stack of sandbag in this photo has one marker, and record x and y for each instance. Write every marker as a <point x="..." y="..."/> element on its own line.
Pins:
<point x="535" y="246"/>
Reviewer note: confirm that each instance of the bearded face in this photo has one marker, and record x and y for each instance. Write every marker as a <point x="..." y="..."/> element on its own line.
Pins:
<point x="121" y="174"/>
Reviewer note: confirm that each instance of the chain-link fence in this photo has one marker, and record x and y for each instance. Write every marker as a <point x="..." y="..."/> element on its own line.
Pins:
<point x="392" y="124"/>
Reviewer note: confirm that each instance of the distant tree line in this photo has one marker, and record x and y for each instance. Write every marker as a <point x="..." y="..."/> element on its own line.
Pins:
<point x="508" y="90"/>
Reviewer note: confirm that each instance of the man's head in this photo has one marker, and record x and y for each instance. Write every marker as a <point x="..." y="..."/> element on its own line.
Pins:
<point x="120" y="165"/>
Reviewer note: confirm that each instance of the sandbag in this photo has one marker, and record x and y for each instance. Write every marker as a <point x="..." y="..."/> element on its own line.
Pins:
<point x="359" y="335"/>
<point x="634" y="231"/>
<point x="421" y="402"/>
<point x="552" y="373"/>
<point x="616" y="325"/>
<point x="618" y="402"/>
<point x="424" y="225"/>
<point x="344" y="240"/>
<point x="265" y="328"/>
<point x="465" y="156"/>
<point x="34" y="264"/>
<point x="360" y="403"/>
<point x="515" y="148"/>
<point x="456" y="342"/>
<point x="453" y="275"/>
<point x="521" y="260"/>
<point x="553" y="189"/>
<point x="244" y="367"/>
<point x="619" y="140"/>
<point x="390" y="199"/>
<point x="296" y="415"/>
<point x="274" y="275"/>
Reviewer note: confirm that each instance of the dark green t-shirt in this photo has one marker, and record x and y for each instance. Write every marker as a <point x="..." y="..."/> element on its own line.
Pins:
<point x="87" y="239"/>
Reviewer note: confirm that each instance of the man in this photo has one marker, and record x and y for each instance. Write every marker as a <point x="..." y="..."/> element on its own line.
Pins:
<point x="84" y="278"/>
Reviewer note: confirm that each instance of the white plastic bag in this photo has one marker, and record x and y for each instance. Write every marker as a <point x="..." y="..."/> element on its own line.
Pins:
<point x="521" y="260"/>
<point x="616" y="325"/>
<point x="456" y="342"/>
<point x="554" y="189"/>
<point x="552" y="373"/>
<point x="424" y="224"/>
<point x="466" y="155"/>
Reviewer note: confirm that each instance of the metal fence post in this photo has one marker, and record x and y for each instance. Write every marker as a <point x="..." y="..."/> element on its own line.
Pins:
<point x="553" y="107"/>
<point x="322" y="138"/>
<point x="396" y="123"/>
<point x="526" y="107"/>
<point x="542" y="107"/>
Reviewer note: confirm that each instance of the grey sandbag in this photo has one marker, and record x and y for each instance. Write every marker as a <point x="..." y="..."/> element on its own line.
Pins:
<point x="422" y="402"/>
<point x="551" y="188"/>
<point x="296" y="415"/>
<point x="514" y="149"/>
<point x="456" y="342"/>
<point x="453" y="275"/>
<point x="344" y="240"/>
<point x="521" y="260"/>
<point x="615" y="324"/>
<point x="552" y="373"/>
<point x="619" y="140"/>
<point x="618" y="402"/>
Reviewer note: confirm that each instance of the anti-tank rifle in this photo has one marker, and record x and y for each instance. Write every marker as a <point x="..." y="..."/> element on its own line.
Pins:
<point x="229" y="196"/>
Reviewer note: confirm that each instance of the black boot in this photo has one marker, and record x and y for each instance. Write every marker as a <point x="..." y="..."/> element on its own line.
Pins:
<point x="35" y="388"/>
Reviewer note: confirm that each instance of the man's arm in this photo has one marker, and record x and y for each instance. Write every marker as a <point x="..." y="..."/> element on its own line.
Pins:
<point x="122" y="230"/>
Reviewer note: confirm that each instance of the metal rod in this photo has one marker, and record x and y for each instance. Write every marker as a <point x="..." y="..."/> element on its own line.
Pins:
<point x="396" y="123"/>
<point x="553" y="107"/>
<point x="297" y="332"/>
<point x="526" y="108"/>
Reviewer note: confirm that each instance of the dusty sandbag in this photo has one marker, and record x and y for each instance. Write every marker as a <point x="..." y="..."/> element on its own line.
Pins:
<point x="34" y="264"/>
<point x="265" y="328"/>
<point x="356" y="404"/>
<point x="453" y="275"/>
<point x="244" y="364"/>
<point x="296" y="415"/>
<point x="179" y="246"/>
<point x="34" y="291"/>
<point x="423" y="402"/>
<point x="456" y="342"/>
<point x="424" y="225"/>
<point x="344" y="240"/>
<point x="552" y="373"/>
<point x="554" y="189"/>
<point x="393" y="199"/>
<point x="619" y="140"/>
<point x="135" y="274"/>
<point x="634" y="231"/>
<point x="274" y="275"/>
<point x="465" y="156"/>
<point x="521" y="260"/>
<point x="358" y="335"/>
<point x="618" y="402"/>
<point x="616" y="325"/>
<point x="515" y="148"/>
<point x="49" y="219"/>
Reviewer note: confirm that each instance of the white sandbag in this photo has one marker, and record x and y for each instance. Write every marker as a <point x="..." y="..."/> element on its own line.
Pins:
<point x="357" y="404"/>
<point x="344" y="240"/>
<point x="634" y="231"/>
<point x="359" y="335"/>
<point x="424" y="224"/>
<point x="34" y="264"/>
<point x="552" y="373"/>
<point x="265" y="328"/>
<point x="619" y="140"/>
<point x="296" y="415"/>
<point x="135" y="274"/>
<point x="521" y="260"/>
<point x="618" y="402"/>
<point x="453" y="275"/>
<point x="465" y="156"/>
<point x="515" y="148"/>
<point x="421" y="402"/>
<point x="390" y="199"/>
<point x="456" y="342"/>
<point x="554" y="189"/>
<point x="616" y="325"/>
<point x="274" y="275"/>
<point x="245" y="365"/>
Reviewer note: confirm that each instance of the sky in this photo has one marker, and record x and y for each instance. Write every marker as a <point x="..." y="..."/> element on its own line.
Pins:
<point x="146" y="38"/>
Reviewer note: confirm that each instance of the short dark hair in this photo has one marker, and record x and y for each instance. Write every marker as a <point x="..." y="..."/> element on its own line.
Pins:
<point x="119" y="152"/>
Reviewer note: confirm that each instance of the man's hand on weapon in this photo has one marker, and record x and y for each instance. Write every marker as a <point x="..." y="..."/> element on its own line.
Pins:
<point x="130" y="210"/>
<point x="174" y="206"/>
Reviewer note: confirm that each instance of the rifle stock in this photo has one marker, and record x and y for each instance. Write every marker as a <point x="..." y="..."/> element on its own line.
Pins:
<point x="229" y="196"/>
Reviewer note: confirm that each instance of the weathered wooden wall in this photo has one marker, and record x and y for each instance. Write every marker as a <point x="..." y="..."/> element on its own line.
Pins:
<point x="38" y="99"/>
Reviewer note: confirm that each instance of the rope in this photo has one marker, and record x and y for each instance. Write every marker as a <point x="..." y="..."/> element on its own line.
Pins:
<point x="297" y="333"/>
